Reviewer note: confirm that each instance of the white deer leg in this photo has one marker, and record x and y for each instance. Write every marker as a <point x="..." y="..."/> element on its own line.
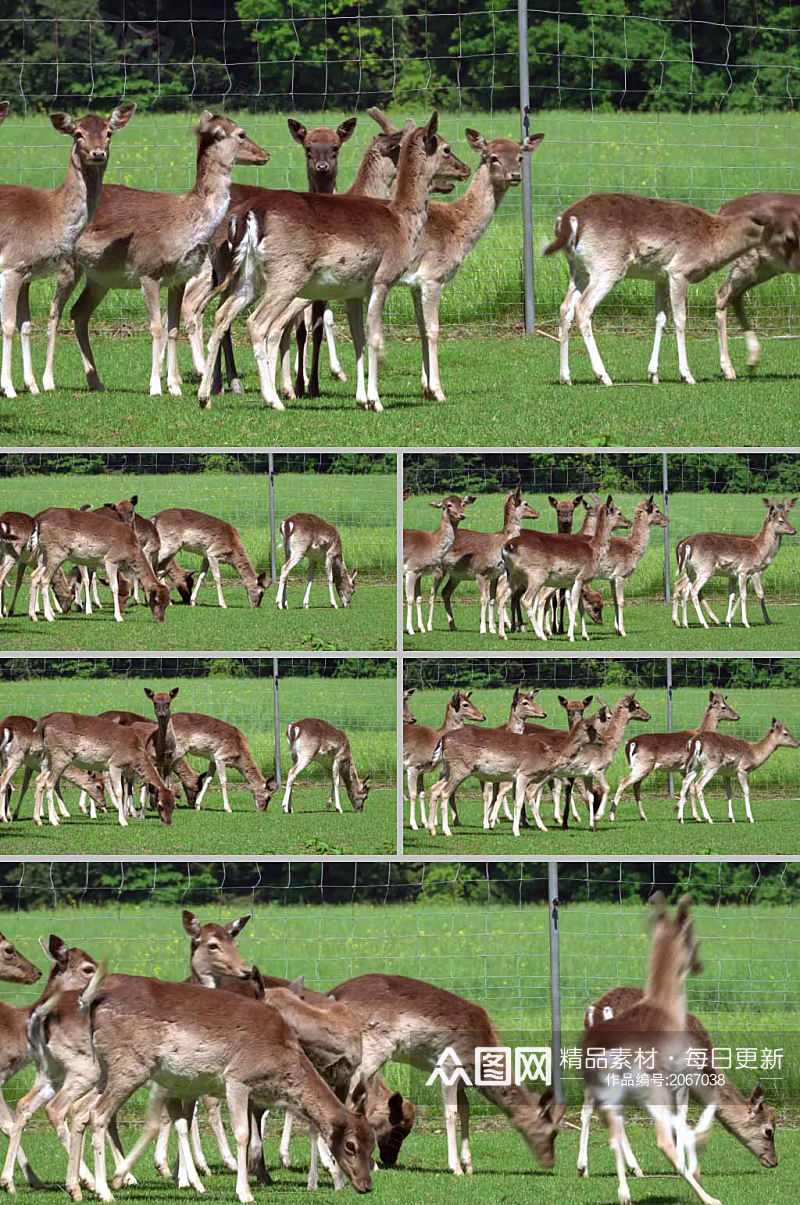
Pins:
<point x="223" y="784"/>
<point x="374" y="340"/>
<point x="215" y="573"/>
<point x="591" y="297"/>
<point x="310" y="578"/>
<point x="660" y="297"/>
<point x="294" y="558"/>
<point x="174" y="303"/>
<point x="745" y="785"/>
<point x="677" y="295"/>
<point x="355" y="315"/>
<point x="10" y="285"/>
<point x="337" y="372"/>
<point x="284" y="1152"/>
<point x="151" y="290"/>
<point x="450" y="1108"/>
<point x="565" y="317"/>
<point x="198" y="581"/>
<point x="331" y="593"/>
<point x="583" y="1147"/>
<point x="743" y="597"/>
<point x="335" y="774"/>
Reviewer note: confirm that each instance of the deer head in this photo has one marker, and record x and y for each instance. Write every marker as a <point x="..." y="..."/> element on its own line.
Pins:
<point x="72" y="967"/>
<point x="214" y="953"/>
<point x="161" y="700"/>
<point x="503" y="157"/>
<point x="14" y="967"/>
<point x="226" y="143"/>
<point x="526" y="705"/>
<point x="721" y="706"/>
<point x="262" y="794"/>
<point x="322" y="146"/>
<point x="463" y="706"/>
<point x="353" y="1141"/>
<point x="565" y="512"/>
<point x="91" y="134"/>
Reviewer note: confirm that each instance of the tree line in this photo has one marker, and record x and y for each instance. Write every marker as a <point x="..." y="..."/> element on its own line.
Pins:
<point x="88" y="464"/>
<point x="24" y="670"/>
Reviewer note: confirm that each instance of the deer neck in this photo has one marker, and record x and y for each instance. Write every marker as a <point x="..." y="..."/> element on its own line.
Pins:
<point x="512" y="524"/>
<point x="664" y="987"/>
<point x="79" y="195"/>
<point x="767" y="542"/>
<point x="710" y="720"/>
<point x="516" y="722"/>
<point x="452" y="720"/>
<point x="761" y="750"/>
<point x="477" y="206"/>
<point x="640" y="534"/>
<point x="144" y="569"/>
<point x="615" y="729"/>
<point x="733" y="1109"/>
<point x="351" y="779"/>
<point x="212" y="185"/>
<point x="410" y="199"/>
<point x="447" y="533"/>
<point x="601" y="540"/>
<point x="369" y="179"/>
<point x="314" y="1100"/>
<point x="588" y="526"/>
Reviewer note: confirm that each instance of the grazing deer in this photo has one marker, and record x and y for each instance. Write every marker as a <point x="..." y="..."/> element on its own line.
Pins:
<point x="540" y="558"/>
<point x="309" y="536"/>
<point x="780" y="254"/>
<point x="424" y="551"/>
<point x="39" y="227"/>
<point x="146" y="533"/>
<point x="739" y="558"/>
<point x="657" y="1022"/>
<point x="216" y="541"/>
<point x="21" y="746"/>
<point x="151" y="240"/>
<point x="16" y="530"/>
<point x="478" y="555"/>
<point x="412" y="1021"/>
<point x="420" y="743"/>
<point x="408" y="718"/>
<point x="751" y="1121"/>
<point x="666" y="750"/>
<point x="607" y="236"/>
<point x="317" y="740"/>
<point x="711" y="753"/>
<point x="97" y="745"/>
<point x="191" y="781"/>
<point x="90" y="539"/>
<point x="222" y="745"/>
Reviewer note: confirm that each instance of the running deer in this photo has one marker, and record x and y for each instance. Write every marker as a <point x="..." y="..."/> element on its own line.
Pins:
<point x="184" y="1038"/>
<point x="91" y="539"/>
<point x="216" y="541"/>
<point x="408" y="1020"/>
<point x="408" y="717"/>
<point x="477" y="555"/>
<point x="611" y="723"/>
<point x="151" y="240"/>
<point x="424" y="551"/>
<point x="498" y="756"/>
<point x="778" y="255"/>
<point x="342" y="246"/>
<point x="222" y="745"/>
<point x="607" y="236"/>
<point x="751" y="1121"/>
<point x="94" y="744"/>
<point x="39" y="228"/>
<point x="658" y="1022"/>
<point x="739" y="558"/>
<point x="666" y="750"/>
<point x="540" y="558"/>
<point x="317" y="740"/>
<point x="16" y="530"/>
<point x="71" y="968"/>
<point x="309" y="536"/>
<point x="420" y="743"/>
<point x="711" y="753"/>
<point x="22" y="746"/>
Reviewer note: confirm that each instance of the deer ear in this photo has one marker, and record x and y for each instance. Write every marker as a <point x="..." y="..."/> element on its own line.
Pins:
<point x="191" y="924"/>
<point x="174" y="691"/>
<point x="394" y="1107"/>
<point x="298" y="985"/>
<point x="57" y="950"/>
<point x="587" y="700"/>
<point x="204" y="121"/>
<point x="345" y="129"/>
<point x="148" y="692"/>
<point x="564" y="702"/>
<point x="553" y="501"/>
<point x="134" y="500"/>
<point x="358" y="1098"/>
<point x="354" y="575"/>
<point x="297" y="130"/>
<point x="62" y="122"/>
<point x="532" y="143"/>
<point x="756" y="1101"/>
<point x="476" y="140"/>
<point x="792" y="502"/>
<point x="766" y="501"/>
<point x="236" y="926"/>
<point x="430" y="133"/>
<point x="122" y="115"/>
<point x="259" y="987"/>
<point x="437" y="505"/>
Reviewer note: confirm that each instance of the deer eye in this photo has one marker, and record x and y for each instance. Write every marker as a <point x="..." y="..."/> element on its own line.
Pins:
<point x="350" y="1147"/>
<point x="89" y="969"/>
<point x="9" y="951"/>
<point x="213" y="945"/>
<point x="447" y="150"/>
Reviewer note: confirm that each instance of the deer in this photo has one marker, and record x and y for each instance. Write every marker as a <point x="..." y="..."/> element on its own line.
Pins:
<point x="61" y="534"/>
<point x="751" y="1121"/>
<point x="652" y="751"/>
<point x="223" y="745"/>
<point x="16" y="530"/>
<point x="420" y="743"/>
<point x="565" y="517"/>
<point x="317" y="740"/>
<point x="607" y="236"/>
<point x="478" y="555"/>
<point x="146" y="533"/>
<point x="412" y="1021"/>
<point x="39" y="227"/>
<point x="96" y="745"/>
<point x="711" y="753"/>
<point x="523" y="707"/>
<point x="658" y="1022"/>
<point x="309" y="536"/>
<point x="624" y="554"/>
<point x="592" y="763"/>
<point x="21" y="746"/>
<point x="740" y="558"/>
<point x="380" y="238"/>
<point x="150" y="240"/>
<point x="540" y="558"/>
<point x="216" y="541"/>
<point x="408" y="716"/>
<point x="779" y="255"/>
<point x="191" y="781"/>
<point x="424" y="551"/>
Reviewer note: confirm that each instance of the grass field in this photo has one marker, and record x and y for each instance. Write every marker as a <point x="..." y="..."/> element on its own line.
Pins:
<point x="647" y="621"/>
<point x="364" y="708"/>
<point x="495" y="954"/>
<point x="774" y="788"/>
<point x="362" y="507"/>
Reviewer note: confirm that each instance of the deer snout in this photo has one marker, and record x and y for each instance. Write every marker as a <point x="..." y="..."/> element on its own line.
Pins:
<point x="98" y="155"/>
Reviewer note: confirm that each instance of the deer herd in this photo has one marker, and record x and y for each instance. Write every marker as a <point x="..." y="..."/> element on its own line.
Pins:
<point x="522" y="758"/>
<point x="540" y="573"/>
<point x="230" y="1033"/>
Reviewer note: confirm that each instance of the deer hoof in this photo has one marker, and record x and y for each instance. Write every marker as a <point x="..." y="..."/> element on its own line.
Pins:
<point x="9" y="391"/>
<point x="728" y="374"/>
<point x="237" y="386"/>
<point x="688" y="379"/>
<point x="175" y="390"/>
<point x="652" y="378"/>
<point x="565" y="380"/>
<point x="276" y="405"/>
<point x="376" y="406"/>
<point x="605" y="379"/>
<point x="339" y="376"/>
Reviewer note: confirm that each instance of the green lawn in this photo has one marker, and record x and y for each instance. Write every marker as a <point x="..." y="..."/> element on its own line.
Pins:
<point x="365" y="708"/>
<point x="774" y="787"/>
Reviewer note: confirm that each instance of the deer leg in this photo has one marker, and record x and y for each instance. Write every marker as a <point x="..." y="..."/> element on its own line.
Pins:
<point x="587" y="1109"/>
<point x="664" y="1130"/>
<point x="113" y="581"/>
<point x="335" y="775"/>
<point x="745" y="785"/>
<point x="590" y="298"/>
<point x="310" y="578"/>
<point x="375" y="306"/>
<point x="301" y="337"/>
<point x="237" y="1097"/>
<point x="10" y="286"/>
<point x="195" y="298"/>
<point x="266" y="326"/>
<point x="750" y="338"/>
<point x="86" y="589"/>
<point x="181" y="1122"/>
<point x="299" y="763"/>
<point x="697" y="585"/>
<point x="729" y="793"/>
<point x="411" y="578"/>
<point x="90" y="297"/>
<point x="223" y="784"/>
<point x="229" y="309"/>
<point x="660" y="299"/>
<point x="151" y="291"/>
<point x="24" y="326"/>
<point x="97" y="602"/>
<point x="678" y="286"/>
<point x="294" y="558"/>
<point x="337" y="371"/>
<point x="627" y="1152"/>
<point x="41" y="1092"/>
<point x="614" y="1121"/>
<point x="105" y="1107"/>
<point x="743" y="597"/>
<point x="8" y="563"/>
<point x="450" y="1109"/>
<point x="66" y="281"/>
<point x="198" y="581"/>
<point x="355" y="317"/>
<point x="284" y="1152"/>
<point x="438" y="576"/>
<point x="174" y="303"/>
<point x="161" y="1153"/>
<point x="419" y="314"/>
<point x="484" y="587"/>
<point x="285" y="356"/>
<point x="565" y="317"/>
<point x="6" y="1125"/>
<point x="463" y="1118"/>
<point x="431" y="294"/>
<point x="317" y="317"/>
<point x="116" y="791"/>
<point x="619" y="605"/>
<point x="702" y="782"/>
<point x="217" y="576"/>
<point x="606" y="789"/>
<point x="759" y="589"/>
<point x="329" y="576"/>
<point x="575" y="603"/>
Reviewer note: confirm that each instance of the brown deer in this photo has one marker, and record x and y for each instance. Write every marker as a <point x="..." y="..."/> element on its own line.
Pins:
<point x="317" y="740"/>
<point x="652" y="751"/>
<point x="151" y="240"/>
<point x="22" y="746"/>
<point x="146" y="533"/>
<point x="424" y="551"/>
<point x="412" y="1021"/>
<point x="309" y="536"/>
<point x="751" y="1121"/>
<point x="780" y="254"/>
<point x="39" y="228"/>
<point x="565" y="513"/>
<point x="420" y="743"/>
<point x="607" y="236"/>
<point x="737" y="557"/>
<point x="222" y="745"/>
<point x="624" y="554"/>
<point x="711" y="753"/>
<point x="216" y="541"/>
<point x="16" y="530"/>
<point x="408" y="717"/>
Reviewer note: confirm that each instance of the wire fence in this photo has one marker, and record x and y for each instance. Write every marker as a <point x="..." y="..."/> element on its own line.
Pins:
<point x="659" y="103"/>
<point x="478" y="929"/>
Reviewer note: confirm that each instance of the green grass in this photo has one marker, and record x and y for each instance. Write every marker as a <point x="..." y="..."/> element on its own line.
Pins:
<point x="502" y="391"/>
<point x="774" y="788"/>
<point x="362" y="507"/>
<point x="364" y="708"/>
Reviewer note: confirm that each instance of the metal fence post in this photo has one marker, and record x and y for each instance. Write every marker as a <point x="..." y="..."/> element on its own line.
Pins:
<point x="669" y="720"/>
<point x="276" y="711"/>
<point x="527" y="188"/>
<point x="555" y="979"/>
<point x="273" y="566"/>
<point x="665" y="491"/>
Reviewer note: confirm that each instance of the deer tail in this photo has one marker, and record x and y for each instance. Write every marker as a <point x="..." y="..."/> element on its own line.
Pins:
<point x="33" y="541"/>
<point x="35" y="1029"/>
<point x="566" y="234"/>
